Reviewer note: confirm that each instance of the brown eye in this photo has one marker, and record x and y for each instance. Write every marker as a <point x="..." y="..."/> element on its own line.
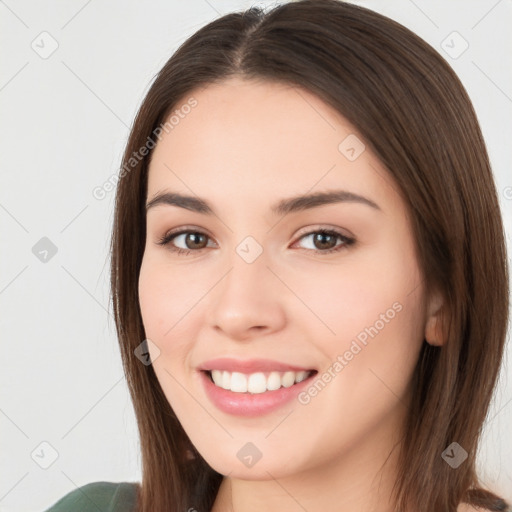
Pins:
<point x="191" y="240"/>
<point x="195" y="240"/>
<point x="326" y="241"/>
<point x="321" y="241"/>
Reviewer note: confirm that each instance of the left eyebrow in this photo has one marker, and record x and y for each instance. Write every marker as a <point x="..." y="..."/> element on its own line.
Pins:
<point x="305" y="202"/>
<point x="282" y="207"/>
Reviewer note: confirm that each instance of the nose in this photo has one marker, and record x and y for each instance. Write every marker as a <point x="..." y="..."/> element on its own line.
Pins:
<point x="247" y="302"/>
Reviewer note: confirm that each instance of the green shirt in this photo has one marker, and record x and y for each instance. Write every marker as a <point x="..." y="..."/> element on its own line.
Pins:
<point x="99" y="497"/>
<point x="104" y="497"/>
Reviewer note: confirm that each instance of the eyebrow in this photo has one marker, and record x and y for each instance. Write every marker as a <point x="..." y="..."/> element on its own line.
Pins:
<point x="282" y="207"/>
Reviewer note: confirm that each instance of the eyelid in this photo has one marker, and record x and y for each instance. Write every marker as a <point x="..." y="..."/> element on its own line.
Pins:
<point x="186" y="229"/>
<point x="323" y="227"/>
<point x="161" y="240"/>
<point x="304" y="231"/>
<point x="348" y="239"/>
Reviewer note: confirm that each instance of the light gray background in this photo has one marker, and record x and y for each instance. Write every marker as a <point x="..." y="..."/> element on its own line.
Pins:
<point x="64" y="123"/>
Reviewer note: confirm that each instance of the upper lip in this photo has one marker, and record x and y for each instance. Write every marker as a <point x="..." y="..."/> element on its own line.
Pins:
<point x="249" y="365"/>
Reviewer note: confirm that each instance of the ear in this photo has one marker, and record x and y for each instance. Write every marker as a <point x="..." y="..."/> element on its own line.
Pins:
<point x="434" y="334"/>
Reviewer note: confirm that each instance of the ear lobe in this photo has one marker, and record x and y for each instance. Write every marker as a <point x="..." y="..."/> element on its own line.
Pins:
<point x="433" y="327"/>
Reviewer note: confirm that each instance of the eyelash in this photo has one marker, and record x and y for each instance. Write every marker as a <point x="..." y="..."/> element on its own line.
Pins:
<point x="168" y="237"/>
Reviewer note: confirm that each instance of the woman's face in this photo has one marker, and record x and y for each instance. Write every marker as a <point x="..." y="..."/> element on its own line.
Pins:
<point x="262" y="296"/>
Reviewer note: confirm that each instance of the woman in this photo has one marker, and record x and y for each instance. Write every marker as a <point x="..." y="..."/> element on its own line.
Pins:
<point x="309" y="274"/>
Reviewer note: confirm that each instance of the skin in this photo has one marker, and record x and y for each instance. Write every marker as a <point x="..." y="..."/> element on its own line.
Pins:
<point x="243" y="147"/>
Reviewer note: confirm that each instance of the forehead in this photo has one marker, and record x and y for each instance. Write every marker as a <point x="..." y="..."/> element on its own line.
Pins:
<point x="262" y="141"/>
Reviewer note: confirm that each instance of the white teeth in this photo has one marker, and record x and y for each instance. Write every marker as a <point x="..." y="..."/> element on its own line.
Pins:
<point x="226" y="380"/>
<point x="256" y="382"/>
<point x="217" y="375"/>
<point x="288" y="379"/>
<point x="274" y="381"/>
<point x="223" y="379"/>
<point x="301" y="376"/>
<point x="238" y="382"/>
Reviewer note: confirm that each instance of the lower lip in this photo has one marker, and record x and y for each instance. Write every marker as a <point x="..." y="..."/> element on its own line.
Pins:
<point x="251" y="404"/>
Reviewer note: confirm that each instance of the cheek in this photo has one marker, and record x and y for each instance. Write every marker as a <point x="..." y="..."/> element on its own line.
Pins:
<point x="373" y="307"/>
<point x="376" y="312"/>
<point x="167" y="295"/>
<point x="152" y="298"/>
<point x="356" y="299"/>
<point x="376" y="316"/>
<point x="166" y="298"/>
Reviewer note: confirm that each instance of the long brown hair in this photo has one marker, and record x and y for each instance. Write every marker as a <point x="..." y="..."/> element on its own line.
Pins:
<point x="416" y="116"/>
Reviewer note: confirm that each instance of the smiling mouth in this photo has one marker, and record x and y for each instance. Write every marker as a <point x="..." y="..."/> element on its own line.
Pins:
<point x="257" y="382"/>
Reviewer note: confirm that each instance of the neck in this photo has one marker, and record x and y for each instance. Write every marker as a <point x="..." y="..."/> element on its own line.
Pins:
<point x="361" y="479"/>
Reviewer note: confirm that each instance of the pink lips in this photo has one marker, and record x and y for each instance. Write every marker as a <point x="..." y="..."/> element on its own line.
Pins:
<point x="249" y="404"/>
<point x="250" y="366"/>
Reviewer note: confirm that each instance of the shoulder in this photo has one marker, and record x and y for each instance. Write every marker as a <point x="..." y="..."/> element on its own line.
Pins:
<point x="111" y="496"/>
